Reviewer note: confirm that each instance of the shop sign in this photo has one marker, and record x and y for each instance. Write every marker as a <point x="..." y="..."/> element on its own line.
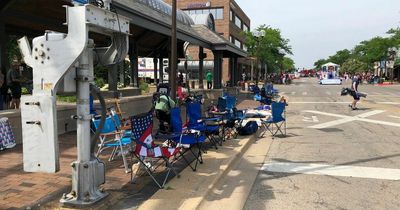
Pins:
<point x="199" y="4"/>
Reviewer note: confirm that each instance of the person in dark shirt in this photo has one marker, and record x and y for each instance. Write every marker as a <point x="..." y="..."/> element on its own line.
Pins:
<point x="355" y="94"/>
<point x="14" y="83"/>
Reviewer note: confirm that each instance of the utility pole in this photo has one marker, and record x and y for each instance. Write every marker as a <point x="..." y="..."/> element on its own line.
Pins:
<point x="173" y="64"/>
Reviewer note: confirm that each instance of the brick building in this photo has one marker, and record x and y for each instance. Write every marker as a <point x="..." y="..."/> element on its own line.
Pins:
<point x="230" y="22"/>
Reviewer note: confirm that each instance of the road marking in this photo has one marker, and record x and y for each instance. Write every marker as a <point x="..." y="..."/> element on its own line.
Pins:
<point x="304" y="93"/>
<point x="293" y="93"/>
<point x="391" y="103"/>
<point x="333" y="170"/>
<point x="321" y="102"/>
<point x="392" y="116"/>
<point x="311" y="119"/>
<point x="346" y="119"/>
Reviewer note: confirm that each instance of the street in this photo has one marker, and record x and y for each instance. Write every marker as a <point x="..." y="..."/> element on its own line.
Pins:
<point x="333" y="157"/>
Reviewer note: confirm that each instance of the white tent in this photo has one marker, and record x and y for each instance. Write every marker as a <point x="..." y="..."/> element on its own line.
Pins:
<point x="330" y="64"/>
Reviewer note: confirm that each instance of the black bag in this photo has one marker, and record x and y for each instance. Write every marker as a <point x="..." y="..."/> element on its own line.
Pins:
<point x="250" y="128"/>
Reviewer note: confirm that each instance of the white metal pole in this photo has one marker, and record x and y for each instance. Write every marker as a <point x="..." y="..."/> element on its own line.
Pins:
<point x="82" y="107"/>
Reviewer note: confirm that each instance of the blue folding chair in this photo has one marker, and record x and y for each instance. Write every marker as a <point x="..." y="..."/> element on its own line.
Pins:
<point x="278" y="119"/>
<point x="270" y="91"/>
<point x="209" y="126"/>
<point x="111" y="138"/>
<point x="189" y="139"/>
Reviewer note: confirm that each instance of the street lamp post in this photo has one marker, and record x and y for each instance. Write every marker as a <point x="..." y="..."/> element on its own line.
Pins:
<point x="258" y="35"/>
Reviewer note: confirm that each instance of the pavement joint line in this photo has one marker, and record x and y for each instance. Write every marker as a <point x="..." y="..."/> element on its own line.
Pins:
<point x="333" y="170"/>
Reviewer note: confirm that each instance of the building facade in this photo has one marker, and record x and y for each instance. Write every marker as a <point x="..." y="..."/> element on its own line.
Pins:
<point x="230" y="22"/>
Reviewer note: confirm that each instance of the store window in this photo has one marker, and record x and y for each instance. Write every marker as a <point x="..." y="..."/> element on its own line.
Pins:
<point x="245" y="27"/>
<point x="218" y="13"/>
<point x="230" y="15"/>
<point x="238" y="22"/>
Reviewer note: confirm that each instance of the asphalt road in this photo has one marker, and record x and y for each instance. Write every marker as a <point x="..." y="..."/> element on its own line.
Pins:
<point x="333" y="157"/>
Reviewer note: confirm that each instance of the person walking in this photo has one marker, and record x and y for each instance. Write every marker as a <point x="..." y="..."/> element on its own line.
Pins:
<point x="355" y="94"/>
<point x="209" y="78"/>
<point x="14" y="83"/>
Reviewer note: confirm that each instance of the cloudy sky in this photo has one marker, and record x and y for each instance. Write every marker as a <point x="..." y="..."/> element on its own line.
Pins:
<point x="319" y="28"/>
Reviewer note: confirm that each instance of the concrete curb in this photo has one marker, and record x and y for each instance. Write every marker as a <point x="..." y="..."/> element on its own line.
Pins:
<point x="189" y="191"/>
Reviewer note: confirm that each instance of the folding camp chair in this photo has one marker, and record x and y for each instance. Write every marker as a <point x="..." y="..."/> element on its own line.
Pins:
<point x="211" y="127"/>
<point x="142" y="126"/>
<point x="278" y="119"/>
<point x="125" y="128"/>
<point x="111" y="138"/>
<point x="190" y="139"/>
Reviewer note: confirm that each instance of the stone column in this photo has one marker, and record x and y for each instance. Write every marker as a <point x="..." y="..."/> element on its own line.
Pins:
<point x="133" y="57"/>
<point x="161" y="68"/>
<point x="201" y="66"/>
<point x="217" y="75"/>
<point x="113" y="77"/>
<point x="155" y="62"/>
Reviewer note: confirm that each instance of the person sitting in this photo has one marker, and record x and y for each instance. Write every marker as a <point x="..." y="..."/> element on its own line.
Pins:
<point x="162" y="106"/>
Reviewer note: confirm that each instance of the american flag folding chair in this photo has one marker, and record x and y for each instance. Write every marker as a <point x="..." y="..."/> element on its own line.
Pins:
<point x="146" y="151"/>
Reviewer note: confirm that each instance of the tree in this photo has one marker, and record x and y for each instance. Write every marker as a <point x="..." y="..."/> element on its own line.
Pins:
<point x="354" y="66"/>
<point x="318" y="64"/>
<point x="340" y="57"/>
<point x="288" y="64"/>
<point x="270" y="48"/>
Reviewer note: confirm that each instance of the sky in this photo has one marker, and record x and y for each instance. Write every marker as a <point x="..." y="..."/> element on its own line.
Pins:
<point x="320" y="28"/>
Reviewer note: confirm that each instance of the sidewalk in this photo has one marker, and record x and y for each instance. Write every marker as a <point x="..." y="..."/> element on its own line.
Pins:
<point x="20" y="189"/>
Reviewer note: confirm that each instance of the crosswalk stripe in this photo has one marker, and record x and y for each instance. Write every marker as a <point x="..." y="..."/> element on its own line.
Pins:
<point x="333" y="170"/>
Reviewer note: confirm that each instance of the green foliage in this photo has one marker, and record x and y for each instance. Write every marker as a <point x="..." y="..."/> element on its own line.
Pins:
<point x="354" y="66"/>
<point x="24" y="91"/>
<point x="143" y="86"/>
<point x="318" y="64"/>
<point x="271" y="48"/>
<point x="288" y="64"/>
<point x="340" y="57"/>
<point x="100" y="82"/>
<point x="13" y="50"/>
<point x="68" y="99"/>
<point x="101" y="72"/>
<point x="365" y="53"/>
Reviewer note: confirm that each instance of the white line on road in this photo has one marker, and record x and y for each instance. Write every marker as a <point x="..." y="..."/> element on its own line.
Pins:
<point x="315" y="119"/>
<point x="392" y="116"/>
<point x="332" y="123"/>
<point x="369" y="114"/>
<point x="321" y="102"/>
<point x="346" y="119"/>
<point x="333" y="170"/>
<point x="391" y="103"/>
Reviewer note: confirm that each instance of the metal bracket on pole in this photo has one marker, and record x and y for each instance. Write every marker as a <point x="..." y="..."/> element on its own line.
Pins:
<point x="54" y="55"/>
